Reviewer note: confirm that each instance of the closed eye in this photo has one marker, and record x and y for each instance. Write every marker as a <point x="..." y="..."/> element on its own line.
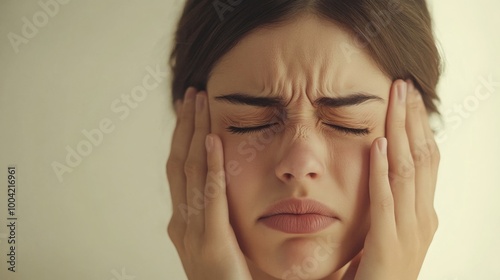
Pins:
<point x="253" y="129"/>
<point x="348" y="130"/>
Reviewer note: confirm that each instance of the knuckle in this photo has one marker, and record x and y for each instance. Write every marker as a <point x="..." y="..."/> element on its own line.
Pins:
<point x="429" y="226"/>
<point x="186" y="117"/>
<point x="192" y="168"/>
<point x="175" y="164"/>
<point x="383" y="173"/>
<point x="200" y="123"/>
<point x="404" y="170"/>
<point x="421" y="153"/>
<point x="418" y="156"/>
<point x="436" y="154"/>
<point x="216" y="176"/>
<point x="174" y="232"/>
<point x="434" y="221"/>
<point x="400" y="124"/>
<point x="212" y="166"/>
<point x="386" y="204"/>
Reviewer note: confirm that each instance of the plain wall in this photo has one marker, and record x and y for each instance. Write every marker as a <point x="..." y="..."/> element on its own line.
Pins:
<point x="105" y="218"/>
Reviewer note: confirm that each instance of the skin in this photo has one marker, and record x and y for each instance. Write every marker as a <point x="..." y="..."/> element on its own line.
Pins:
<point x="383" y="197"/>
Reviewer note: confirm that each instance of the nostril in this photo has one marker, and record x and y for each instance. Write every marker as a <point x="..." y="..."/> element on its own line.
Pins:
<point x="300" y="162"/>
<point x="289" y="176"/>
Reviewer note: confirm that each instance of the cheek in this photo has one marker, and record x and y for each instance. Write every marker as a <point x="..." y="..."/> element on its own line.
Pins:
<point x="245" y="166"/>
<point x="350" y="159"/>
<point x="351" y="165"/>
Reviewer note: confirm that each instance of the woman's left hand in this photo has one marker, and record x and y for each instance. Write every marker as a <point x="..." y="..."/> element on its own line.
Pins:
<point x="403" y="173"/>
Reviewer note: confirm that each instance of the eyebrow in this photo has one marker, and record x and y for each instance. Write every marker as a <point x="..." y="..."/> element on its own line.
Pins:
<point x="277" y="102"/>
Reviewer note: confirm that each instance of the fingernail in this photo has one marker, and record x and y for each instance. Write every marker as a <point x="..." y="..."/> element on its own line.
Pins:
<point x="382" y="145"/>
<point x="209" y="143"/>
<point x="402" y="92"/>
<point x="200" y="102"/>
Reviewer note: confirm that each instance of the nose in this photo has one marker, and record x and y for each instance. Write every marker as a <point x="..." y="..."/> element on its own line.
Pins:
<point x="301" y="161"/>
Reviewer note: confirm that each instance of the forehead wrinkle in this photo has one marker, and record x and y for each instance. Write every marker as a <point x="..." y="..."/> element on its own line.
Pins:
<point x="296" y="65"/>
<point x="300" y="69"/>
<point x="271" y="75"/>
<point x="294" y="80"/>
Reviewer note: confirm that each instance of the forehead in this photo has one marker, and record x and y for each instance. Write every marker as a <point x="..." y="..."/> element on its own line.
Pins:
<point x="306" y="55"/>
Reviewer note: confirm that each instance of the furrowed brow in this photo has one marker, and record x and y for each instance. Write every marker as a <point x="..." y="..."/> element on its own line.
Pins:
<point x="245" y="99"/>
<point x="278" y="102"/>
<point x="350" y="100"/>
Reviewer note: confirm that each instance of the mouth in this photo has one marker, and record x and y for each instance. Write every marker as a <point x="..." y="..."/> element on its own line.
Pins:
<point x="298" y="216"/>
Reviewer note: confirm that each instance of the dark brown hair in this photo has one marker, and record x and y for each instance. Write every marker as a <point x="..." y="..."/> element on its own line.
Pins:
<point x="396" y="33"/>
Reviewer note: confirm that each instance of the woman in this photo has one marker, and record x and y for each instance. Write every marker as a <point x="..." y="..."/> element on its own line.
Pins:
<point x="319" y="161"/>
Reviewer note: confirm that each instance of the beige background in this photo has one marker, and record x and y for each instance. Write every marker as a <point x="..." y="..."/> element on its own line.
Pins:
<point x="106" y="218"/>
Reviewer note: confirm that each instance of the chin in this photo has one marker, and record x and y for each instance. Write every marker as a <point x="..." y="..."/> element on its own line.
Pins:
<point x="296" y="258"/>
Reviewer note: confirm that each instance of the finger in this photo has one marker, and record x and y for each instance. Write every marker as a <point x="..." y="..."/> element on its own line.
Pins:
<point x="178" y="109"/>
<point x="383" y="223"/>
<point x="401" y="168"/>
<point x="196" y="166"/>
<point x="427" y="191"/>
<point x="419" y="147"/>
<point x="216" y="211"/>
<point x="179" y="149"/>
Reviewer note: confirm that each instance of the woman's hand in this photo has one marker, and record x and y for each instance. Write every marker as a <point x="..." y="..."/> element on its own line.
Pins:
<point x="403" y="172"/>
<point x="199" y="227"/>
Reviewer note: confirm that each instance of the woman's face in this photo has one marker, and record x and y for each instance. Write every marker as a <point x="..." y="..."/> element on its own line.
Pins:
<point x="305" y="152"/>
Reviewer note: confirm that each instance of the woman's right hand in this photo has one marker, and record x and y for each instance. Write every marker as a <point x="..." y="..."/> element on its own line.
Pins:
<point x="199" y="227"/>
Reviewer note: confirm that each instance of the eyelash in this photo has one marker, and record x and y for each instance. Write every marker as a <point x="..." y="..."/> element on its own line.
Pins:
<point x="243" y="130"/>
<point x="345" y="130"/>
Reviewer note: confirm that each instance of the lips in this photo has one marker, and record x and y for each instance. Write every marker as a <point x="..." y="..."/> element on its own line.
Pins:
<point x="298" y="216"/>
